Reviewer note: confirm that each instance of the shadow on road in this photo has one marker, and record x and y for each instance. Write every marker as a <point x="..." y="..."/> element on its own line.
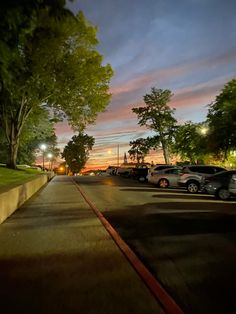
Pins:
<point x="192" y="254"/>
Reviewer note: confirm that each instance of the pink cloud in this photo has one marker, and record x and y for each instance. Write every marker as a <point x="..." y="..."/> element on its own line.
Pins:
<point x="197" y="94"/>
<point x="166" y="74"/>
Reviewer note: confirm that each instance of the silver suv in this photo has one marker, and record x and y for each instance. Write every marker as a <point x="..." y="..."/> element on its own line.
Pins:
<point x="192" y="176"/>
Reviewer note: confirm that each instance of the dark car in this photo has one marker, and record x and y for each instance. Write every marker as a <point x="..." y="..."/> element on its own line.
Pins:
<point x="140" y="172"/>
<point x="222" y="184"/>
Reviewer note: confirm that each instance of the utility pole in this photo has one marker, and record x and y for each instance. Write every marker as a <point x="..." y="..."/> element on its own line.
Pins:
<point x="118" y="155"/>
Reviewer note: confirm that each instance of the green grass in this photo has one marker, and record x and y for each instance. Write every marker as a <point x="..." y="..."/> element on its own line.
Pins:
<point x="10" y="177"/>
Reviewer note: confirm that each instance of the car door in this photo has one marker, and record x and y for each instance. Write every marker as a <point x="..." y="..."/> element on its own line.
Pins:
<point x="173" y="175"/>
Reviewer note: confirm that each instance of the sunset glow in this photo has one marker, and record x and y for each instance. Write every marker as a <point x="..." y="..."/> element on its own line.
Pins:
<point x="187" y="47"/>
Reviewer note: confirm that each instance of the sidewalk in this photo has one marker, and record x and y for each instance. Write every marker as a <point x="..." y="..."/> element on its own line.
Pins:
<point x="56" y="257"/>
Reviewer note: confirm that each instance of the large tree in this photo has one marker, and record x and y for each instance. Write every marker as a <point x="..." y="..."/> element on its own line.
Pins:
<point x="158" y="116"/>
<point x="76" y="152"/>
<point x="222" y="121"/>
<point x="49" y="58"/>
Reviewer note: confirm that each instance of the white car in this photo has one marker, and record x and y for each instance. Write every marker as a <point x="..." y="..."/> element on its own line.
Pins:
<point x="125" y="169"/>
<point x="156" y="169"/>
<point x="165" y="178"/>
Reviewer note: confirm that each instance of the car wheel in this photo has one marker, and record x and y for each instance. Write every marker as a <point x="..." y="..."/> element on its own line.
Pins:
<point x="141" y="179"/>
<point x="193" y="187"/>
<point x="163" y="183"/>
<point x="223" y="194"/>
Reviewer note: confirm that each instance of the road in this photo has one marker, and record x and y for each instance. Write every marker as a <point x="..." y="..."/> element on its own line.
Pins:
<point x="187" y="241"/>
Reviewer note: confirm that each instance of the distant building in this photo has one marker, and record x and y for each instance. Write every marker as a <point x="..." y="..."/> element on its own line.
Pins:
<point x="125" y="159"/>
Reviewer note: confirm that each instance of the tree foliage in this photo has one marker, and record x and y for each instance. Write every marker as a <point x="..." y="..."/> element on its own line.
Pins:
<point x="141" y="147"/>
<point x="38" y="129"/>
<point x="221" y="118"/>
<point x="158" y="116"/>
<point x="190" y="143"/>
<point x="48" y="57"/>
<point x="76" y="152"/>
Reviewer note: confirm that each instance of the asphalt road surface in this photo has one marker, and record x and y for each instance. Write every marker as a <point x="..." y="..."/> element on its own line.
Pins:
<point x="187" y="241"/>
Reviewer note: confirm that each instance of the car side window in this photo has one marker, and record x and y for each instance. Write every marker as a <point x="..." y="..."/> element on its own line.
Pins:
<point x="174" y="171"/>
<point x="159" y="168"/>
<point x="208" y="170"/>
<point x="218" y="169"/>
<point x="195" y="169"/>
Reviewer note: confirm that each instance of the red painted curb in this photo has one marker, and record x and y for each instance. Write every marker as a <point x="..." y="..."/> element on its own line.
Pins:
<point x="169" y="305"/>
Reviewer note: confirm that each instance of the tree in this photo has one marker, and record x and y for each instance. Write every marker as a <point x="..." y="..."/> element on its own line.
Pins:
<point x="190" y="142"/>
<point x="141" y="147"/>
<point x="50" y="59"/>
<point x="76" y="152"/>
<point x="138" y="150"/>
<point x="158" y="116"/>
<point x="221" y="118"/>
<point x="38" y="129"/>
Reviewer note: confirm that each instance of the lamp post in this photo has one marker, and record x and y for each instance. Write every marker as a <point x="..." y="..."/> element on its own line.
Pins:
<point x="43" y="148"/>
<point x="49" y="163"/>
<point x="67" y="168"/>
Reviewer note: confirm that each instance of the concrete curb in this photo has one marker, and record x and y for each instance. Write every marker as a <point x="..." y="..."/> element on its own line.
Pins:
<point x="12" y="199"/>
<point x="163" y="298"/>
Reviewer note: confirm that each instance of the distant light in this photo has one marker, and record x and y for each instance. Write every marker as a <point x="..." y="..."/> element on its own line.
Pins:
<point x="61" y="168"/>
<point x="109" y="152"/>
<point x="49" y="155"/>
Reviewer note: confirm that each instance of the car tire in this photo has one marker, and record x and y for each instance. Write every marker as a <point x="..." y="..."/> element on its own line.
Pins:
<point x="163" y="183"/>
<point x="193" y="186"/>
<point x="223" y="194"/>
<point x="141" y="179"/>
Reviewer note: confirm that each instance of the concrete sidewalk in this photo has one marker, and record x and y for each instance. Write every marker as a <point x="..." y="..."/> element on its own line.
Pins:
<point x="56" y="257"/>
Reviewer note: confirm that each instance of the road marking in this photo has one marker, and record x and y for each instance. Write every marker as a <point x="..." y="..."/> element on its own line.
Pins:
<point x="168" y="304"/>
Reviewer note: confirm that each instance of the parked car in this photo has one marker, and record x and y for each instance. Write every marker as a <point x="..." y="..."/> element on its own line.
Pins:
<point x="166" y="177"/>
<point x="111" y="170"/>
<point x="125" y="170"/>
<point x="192" y="176"/>
<point x="222" y="184"/>
<point x="140" y="172"/>
<point x="156" y="169"/>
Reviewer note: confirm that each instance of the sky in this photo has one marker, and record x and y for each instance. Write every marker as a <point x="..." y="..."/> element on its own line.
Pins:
<point x="186" y="46"/>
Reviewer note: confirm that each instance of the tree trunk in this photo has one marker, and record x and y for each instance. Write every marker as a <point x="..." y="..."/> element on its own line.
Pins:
<point x="165" y="152"/>
<point x="13" y="121"/>
<point x="12" y="153"/>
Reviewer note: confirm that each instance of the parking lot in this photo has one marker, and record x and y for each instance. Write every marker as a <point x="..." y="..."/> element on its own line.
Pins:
<point x="187" y="241"/>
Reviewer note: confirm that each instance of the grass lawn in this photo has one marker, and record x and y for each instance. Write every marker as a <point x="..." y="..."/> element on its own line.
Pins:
<point x="9" y="177"/>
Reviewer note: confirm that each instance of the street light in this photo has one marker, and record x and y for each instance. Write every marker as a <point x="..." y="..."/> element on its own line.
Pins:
<point x="43" y="148"/>
<point x="49" y="165"/>
<point x="203" y="130"/>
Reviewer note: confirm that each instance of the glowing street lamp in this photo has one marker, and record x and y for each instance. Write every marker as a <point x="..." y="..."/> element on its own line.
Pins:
<point x="203" y="130"/>
<point x="43" y="148"/>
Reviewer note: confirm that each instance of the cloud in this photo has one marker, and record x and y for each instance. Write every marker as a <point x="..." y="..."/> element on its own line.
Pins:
<point x="163" y="76"/>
